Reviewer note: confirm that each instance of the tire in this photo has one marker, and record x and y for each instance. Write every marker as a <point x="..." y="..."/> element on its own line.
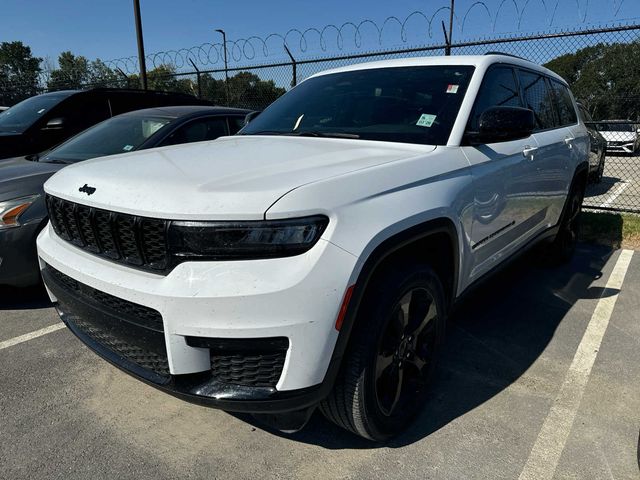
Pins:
<point x="374" y="396"/>
<point x="564" y="245"/>
<point x="599" y="173"/>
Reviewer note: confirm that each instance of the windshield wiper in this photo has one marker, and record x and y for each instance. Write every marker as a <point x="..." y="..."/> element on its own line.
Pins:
<point x="53" y="160"/>
<point x="324" y="134"/>
<point x="266" y="132"/>
<point x="34" y="157"/>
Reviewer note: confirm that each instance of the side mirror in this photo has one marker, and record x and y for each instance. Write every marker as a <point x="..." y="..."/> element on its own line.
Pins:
<point x="503" y="124"/>
<point x="251" y="116"/>
<point x="55" y="124"/>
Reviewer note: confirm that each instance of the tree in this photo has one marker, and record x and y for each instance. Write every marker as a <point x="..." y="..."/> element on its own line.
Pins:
<point x="247" y="90"/>
<point x="19" y="71"/>
<point x="164" y="78"/>
<point x="605" y="78"/>
<point x="76" y="72"/>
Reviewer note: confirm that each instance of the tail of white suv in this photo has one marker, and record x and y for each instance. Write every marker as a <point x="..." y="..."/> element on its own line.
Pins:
<point x="312" y="260"/>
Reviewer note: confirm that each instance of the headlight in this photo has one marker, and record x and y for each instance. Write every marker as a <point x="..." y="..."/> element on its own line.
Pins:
<point x="245" y="240"/>
<point x="10" y="211"/>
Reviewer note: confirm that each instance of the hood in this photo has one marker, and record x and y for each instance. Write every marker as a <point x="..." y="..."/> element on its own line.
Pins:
<point x="236" y="177"/>
<point x="20" y="177"/>
<point x="619" y="136"/>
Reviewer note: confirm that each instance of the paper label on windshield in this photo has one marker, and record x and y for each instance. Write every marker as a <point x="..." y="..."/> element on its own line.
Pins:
<point x="453" y="88"/>
<point x="426" y="120"/>
<point x="127" y="148"/>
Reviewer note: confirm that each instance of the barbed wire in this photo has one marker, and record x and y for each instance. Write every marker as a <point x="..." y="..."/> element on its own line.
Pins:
<point x="352" y="34"/>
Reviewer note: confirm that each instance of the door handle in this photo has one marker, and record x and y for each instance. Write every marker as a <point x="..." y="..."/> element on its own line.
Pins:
<point x="569" y="141"/>
<point x="528" y="151"/>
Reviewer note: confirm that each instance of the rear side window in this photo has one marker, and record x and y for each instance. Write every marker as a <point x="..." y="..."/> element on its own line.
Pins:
<point x="538" y="97"/>
<point x="586" y="116"/>
<point x="499" y="88"/>
<point x="235" y="124"/>
<point x="566" y="110"/>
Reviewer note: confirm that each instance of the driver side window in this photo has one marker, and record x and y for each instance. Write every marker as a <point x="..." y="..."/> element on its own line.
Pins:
<point x="499" y="89"/>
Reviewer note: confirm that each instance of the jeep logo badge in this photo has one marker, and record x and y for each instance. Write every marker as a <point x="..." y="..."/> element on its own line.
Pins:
<point x="87" y="189"/>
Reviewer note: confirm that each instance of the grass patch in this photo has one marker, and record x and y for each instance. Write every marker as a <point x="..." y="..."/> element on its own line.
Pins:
<point x="614" y="229"/>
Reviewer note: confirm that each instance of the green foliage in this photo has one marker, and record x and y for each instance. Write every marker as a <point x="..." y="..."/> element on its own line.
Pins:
<point x="75" y="72"/>
<point x="605" y="78"/>
<point x="19" y="71"/>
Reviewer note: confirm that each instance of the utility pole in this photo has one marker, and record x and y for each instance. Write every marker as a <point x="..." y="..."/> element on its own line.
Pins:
<point x="226" y="65"/>
<point x="451" y="25"/>
<point x="141" y="59"/>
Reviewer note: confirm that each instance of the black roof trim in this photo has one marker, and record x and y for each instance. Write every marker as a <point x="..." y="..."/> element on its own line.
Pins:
<point x="506" y="55"/>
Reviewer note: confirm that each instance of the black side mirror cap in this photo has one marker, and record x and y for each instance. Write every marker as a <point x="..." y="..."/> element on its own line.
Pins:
<point x="503" y="124"/>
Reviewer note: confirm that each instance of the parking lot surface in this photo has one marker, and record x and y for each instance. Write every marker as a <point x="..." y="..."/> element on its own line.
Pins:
<point x="620" y="186"/>
<point x="513" y="397"/>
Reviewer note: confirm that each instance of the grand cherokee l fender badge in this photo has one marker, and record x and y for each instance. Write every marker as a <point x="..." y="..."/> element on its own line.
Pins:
<point x="87" y="189"/>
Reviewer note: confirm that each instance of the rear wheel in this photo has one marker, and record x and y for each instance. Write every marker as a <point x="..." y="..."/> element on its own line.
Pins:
<point x="564" y="245"/>
<point x="385" y="376"/>
<point x="599" y="173"/>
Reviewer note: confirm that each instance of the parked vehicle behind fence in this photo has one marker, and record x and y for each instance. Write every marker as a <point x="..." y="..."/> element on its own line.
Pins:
<point x="22" y="206"/>
<point x="598" y="150"/>
<point x="313" y="259"/>
<point x="622" y="136"/>
<point x="44" y="121"/>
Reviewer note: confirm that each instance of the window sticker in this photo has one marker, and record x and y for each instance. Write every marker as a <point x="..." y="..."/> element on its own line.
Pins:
<point x="127" y="148"/>
<point x="378" y="92"/>
<point x="453" y="88"/>
<point x="426" y="120"/>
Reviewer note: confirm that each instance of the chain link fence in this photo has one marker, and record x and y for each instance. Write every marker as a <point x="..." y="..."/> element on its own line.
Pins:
<point x="602" y="66"/>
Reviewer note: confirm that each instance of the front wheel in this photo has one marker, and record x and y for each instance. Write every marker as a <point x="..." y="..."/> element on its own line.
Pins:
<point x="384" y="380"/>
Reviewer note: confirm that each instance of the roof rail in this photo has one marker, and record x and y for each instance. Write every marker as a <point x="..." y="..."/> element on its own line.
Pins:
<point x="506" y="55"/>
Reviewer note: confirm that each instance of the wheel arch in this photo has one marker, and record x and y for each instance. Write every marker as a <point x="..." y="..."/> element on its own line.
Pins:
<point x="438" y="232"/>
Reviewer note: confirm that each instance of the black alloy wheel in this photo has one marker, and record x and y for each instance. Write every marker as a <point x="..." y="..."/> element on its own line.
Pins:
<point x="385" y="376"/>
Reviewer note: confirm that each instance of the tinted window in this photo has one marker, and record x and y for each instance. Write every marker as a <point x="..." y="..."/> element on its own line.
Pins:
<point x="566" y="110"/>
<point x="399" y="104"/>
<point x="586" y="116"/>
<point x="82" y="111"/>
<point x="21" y="116"/>
<point x="539" y="98"/>
<point x="198" y="131"/>
<point x="235" y="124"/>
<point x="116" y="135"/>
<point x="499" y="88"/>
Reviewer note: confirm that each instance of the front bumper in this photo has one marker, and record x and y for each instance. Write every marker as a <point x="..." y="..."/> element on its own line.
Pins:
<point x="621" y="148"/>
<point x="296" y="297"/>
<point x="18" y="257"/>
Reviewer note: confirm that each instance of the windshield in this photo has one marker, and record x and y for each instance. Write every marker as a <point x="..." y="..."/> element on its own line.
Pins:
<point x="400" y="104"/>
<point x="24" y="114"/>
<point x="116" y="135"/>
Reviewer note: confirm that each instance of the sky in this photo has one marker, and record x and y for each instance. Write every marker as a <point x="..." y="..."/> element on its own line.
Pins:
<point x="105" y="29"/>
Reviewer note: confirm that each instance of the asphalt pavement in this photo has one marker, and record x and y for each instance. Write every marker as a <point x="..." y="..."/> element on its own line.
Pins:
<point x="540" y="378"/>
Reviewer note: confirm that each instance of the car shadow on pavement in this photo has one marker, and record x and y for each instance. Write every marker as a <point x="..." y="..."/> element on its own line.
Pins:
<point x="493" y="338"/>
<point x="23" y="298"/>
<point x="598" y="189"/>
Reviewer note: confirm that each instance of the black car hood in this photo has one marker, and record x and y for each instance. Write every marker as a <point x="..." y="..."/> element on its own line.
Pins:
<point x="20" y="177"/>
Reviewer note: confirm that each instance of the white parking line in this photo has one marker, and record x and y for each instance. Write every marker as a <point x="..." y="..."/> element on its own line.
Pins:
<point x="546" y="451"/>
<point x="617" y="191"/>
<point x="30" y="336"/>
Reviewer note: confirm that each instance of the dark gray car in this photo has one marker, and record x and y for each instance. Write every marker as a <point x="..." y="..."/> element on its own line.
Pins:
<point x="22" y="207"/>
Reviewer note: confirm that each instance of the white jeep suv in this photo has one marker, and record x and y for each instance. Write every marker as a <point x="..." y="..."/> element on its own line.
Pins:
<point x="312" y="259"/>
